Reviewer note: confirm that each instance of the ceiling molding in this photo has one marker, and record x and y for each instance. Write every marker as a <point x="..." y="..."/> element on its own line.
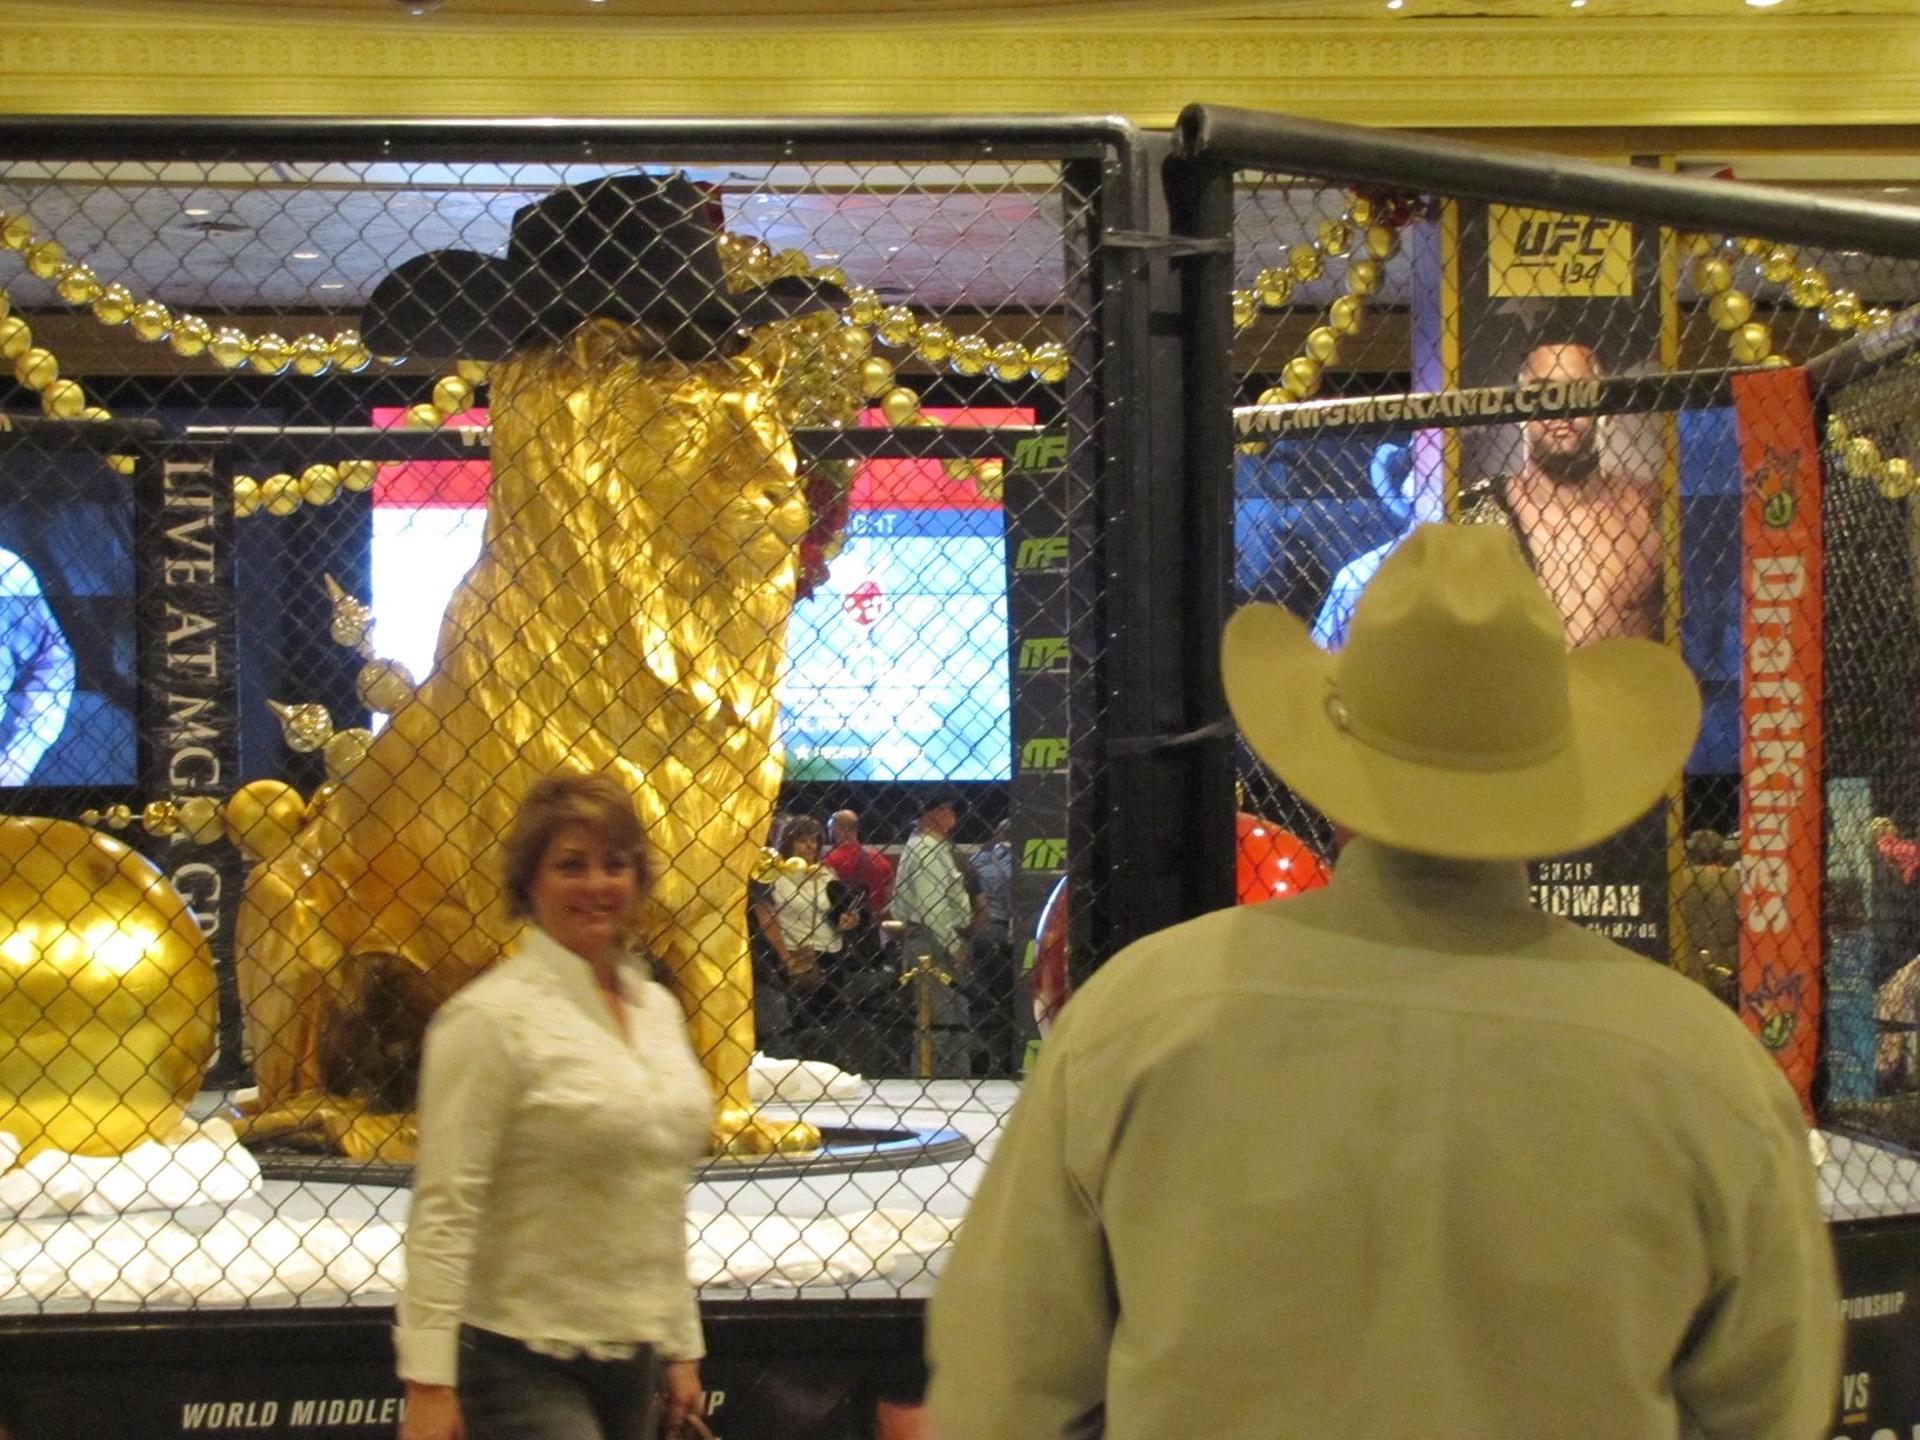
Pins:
<point x="1732" y="69"/>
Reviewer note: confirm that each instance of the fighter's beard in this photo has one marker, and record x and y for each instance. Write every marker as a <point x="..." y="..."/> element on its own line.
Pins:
<point x="1575" y="467"/>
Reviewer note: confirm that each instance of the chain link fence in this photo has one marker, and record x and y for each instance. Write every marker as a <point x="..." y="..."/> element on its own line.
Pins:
<point x="749" y="474"/>
<point x="1620" y="394"/>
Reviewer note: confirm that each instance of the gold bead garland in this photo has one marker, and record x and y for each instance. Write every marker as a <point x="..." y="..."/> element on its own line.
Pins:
<point x="1859" y="457"/>
<point x="1715" y="272"/>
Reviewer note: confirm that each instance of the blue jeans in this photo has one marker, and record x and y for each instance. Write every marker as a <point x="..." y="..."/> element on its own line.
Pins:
<point x="507" y="1392"/>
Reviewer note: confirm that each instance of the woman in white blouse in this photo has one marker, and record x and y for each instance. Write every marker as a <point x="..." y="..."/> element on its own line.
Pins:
<point x="561" y="1112"/>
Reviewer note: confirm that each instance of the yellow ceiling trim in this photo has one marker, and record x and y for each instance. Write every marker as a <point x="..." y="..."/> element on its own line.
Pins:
<point x="1739" y="69"/>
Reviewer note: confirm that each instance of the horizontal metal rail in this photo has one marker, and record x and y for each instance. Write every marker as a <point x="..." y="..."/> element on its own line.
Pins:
<point x="1253" y="140"/>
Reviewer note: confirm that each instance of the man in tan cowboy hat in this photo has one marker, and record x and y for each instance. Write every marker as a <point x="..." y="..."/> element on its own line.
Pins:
<point x="1405" y="1156"/>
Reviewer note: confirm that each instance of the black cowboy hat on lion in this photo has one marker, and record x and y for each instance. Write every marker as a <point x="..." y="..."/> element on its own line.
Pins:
<point x="642" y="249"/>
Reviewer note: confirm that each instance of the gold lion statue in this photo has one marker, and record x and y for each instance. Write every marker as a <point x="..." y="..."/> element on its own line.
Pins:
<point x="627" y="614"/>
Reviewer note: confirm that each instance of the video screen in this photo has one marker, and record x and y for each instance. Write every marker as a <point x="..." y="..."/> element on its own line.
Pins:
<point x="68" y="691"/>
<point x="896" y="665"/>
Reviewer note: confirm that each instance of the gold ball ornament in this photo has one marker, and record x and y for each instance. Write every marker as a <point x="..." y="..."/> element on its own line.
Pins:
<point x="312" y="355"/>
<point x="971" y="355"/>
<point x="64" y="400"/>
<point x="863" y="306"/>
<point x="1049" y="362"/>
<point x="831" y="275"/>
<point x="46" y="259"/>
<point x="1323" y="344"/>
<point x="1345" y="314"/>
<point x="1730" y="309"/>
<point x="159" y="817"/>
<point x="990" y="479"/>
<point x="1842" y="311"/>
<point x="36" y="368"/>
<point x="1306" y="262"/>
<point x="452" y="394"/>
<point x="1751" y="343"/>
<point x="1778" y="266"/>
<point x="1301" y="377"/>
<point x="122" y="464"/>
<point x="474" y="372"/>
<point x="305" y="728"/>
<point x="151" y="321"/>
<point x="1808" y="289"/>
<point x="1860" y="458"/>
<point x="270" y="353"/>
<point x="1273" y="287"/>
<point x="357" y="476"/>
<point x="117" y="817"/>
<point x="114" y="306"/>
<point x="1896" y="479"/>
<point x="934" y="342"/>
<point x="280" y="494"/>
<point x="189" y="336"/>
<point x="1335" y="237"/>
<point x="346" y="750"/>
<point x="1360" y="210"/>
<point x="876" y="375"/>
<point x="1776" y="362"/>
<point x="201" y="820"/>
<point x="16" y="337"/>
<point x="1382" y="242"/>
<point x="1010" y="361"/>
<point x="350" y="353"/>
<point x="16" y="231"/>
<point x="228" y="349"/>
<point x="384" y="686"/>
<point x="1838" y="431"/>
<point x="848" y="346"/>
<point x="6" y="305"/>
<point x="794" y="865"/>
<point x="319" y="484"/>
<point x="107" y="993"/>
<point x="1752" y="245"/>
<point x="78" y="285"/>
<point x="1711" y="275"/>
<point x="897" y="326"/>
<point x="263" y="817"/>
<point x="1245" y="311"/>
<point x="425" y="417"/>
<point x="1363" y="277"/>
<point x="1274" y="395"/>
<point x="246" y="496"/>
<point x="900" y="405"/>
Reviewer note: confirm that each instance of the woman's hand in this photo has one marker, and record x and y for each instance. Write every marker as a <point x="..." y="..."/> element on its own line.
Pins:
<point x="680" y="1392"/>
<point x="433" y="1413"/>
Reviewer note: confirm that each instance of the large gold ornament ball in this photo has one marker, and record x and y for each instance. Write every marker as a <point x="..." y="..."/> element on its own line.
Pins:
<point x="46" y="259"/>
<point x="16" y="337"/>
<point x="848" y="346"/>
<point x="1808" y="289"/>
<point x="280" y="494"/>
<point x="1010" y="361"/>
<point x="16" y="231"/>
<point x="228" y="349"/>
<point x="1245" y="311"/>
<point x="971" y="355"/>
<point x="312" y="355"/>
<point x="246" y="496"/>
<point x="357" y="476"/>
<point x="933" y="343"/>
<point x="1861" y="458"/>
<point x="876" y="375"/>
<point x="897" y="325"/>
<point x="1382" y="242"/>
<point x="1751" y="343"/>
<point x="474" y="372"/>
<point x="151" y="320"/>
<point x="107" y="1003"/>
<point x="1842" y="311"/>
<point x="319" y="484"/>
<point x="1335" y="237"/>
<point x="863" y="306"/>
<point x="200" y="818"/>
<point x="1778" y="266"/>
<point x="1323" y="344"/>
<point x="1363" y="277"/>
<point x="350" y="352"/>
<point x="1730" y="309"/>
<point x="263" y="817"/>
<point x="306" y="728"/>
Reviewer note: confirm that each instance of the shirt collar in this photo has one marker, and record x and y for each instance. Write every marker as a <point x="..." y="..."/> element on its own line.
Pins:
<point x="1397" y="896"/>
<point x="573" y="974"/>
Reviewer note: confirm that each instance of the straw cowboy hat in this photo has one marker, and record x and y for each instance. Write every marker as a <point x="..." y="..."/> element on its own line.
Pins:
<point x="643" y="249"/>
<point x="1455" y="722"/>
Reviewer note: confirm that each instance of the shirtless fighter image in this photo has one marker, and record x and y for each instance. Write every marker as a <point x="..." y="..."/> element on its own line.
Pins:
<point x="1588" y="531"/>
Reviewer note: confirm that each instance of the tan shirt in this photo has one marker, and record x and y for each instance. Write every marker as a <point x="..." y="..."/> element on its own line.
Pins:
<point x="1400" y="1157"/>
<point x="549" y="1200"/>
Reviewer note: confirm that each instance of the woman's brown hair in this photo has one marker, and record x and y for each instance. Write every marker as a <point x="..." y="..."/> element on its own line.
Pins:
<point x="599" y="802"/>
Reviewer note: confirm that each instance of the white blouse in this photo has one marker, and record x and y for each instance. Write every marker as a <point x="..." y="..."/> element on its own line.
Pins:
<point x="549" y="1198"/>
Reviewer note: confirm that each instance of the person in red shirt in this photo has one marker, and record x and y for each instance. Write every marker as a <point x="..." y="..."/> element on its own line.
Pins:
<point x="859" y="865"/>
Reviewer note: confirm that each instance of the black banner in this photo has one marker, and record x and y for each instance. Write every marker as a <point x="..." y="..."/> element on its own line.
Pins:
<point x="189" y="698"/>
<point x="1880" y="1305"/>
